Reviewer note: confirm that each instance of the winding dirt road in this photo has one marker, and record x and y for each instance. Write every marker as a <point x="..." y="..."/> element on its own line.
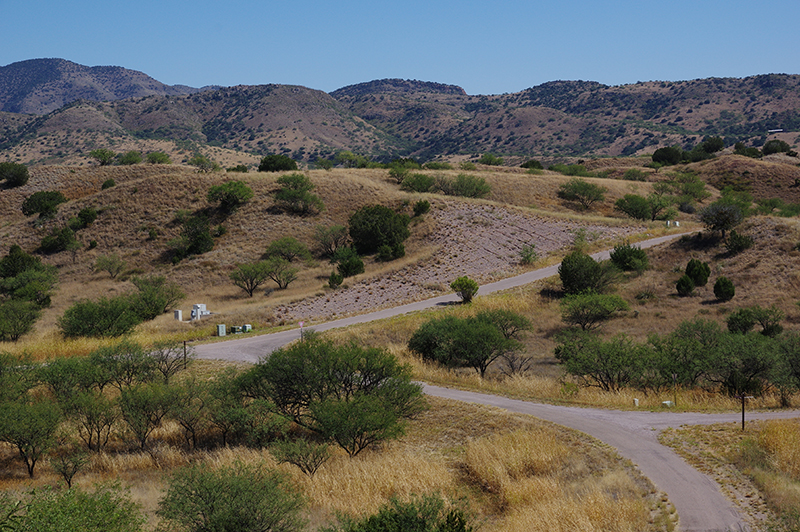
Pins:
<point x="696" y="497"/>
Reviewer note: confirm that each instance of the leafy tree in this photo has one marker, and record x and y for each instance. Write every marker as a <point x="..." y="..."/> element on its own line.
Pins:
<point x="281" y="271"/>
<point x="742" y="364"/>
<point x="398" y="173"/>
<point x="348" y="262"/>
<point x="30" y="427"/>
<point x="68" y="464"/>
<point x="581" y="191"/>
<point x="461" y="342"/>
<point x="698" y="271"/>
<point x="155" y="296"/>
<point x="95" y="414"/>
<point x="237" y="498"/>
<point x="465" y="287"/>
<point x="744" y="319"/>
<point x="276" y="163"/>
<point x="532" y="164"/>
<point x="111" y="264"/>
<point x="124" y="364"/>
<point x="668" y="155"/>
<point x="629" y="258"/>
<point x="609" y="365"/>
<point x="129" y="158"/>
<point x="724" y="289"/>
<point x="14" y="174"/>
<point x="373" y="226"/>
<point x="250" y="276"/>
<point x="190" y="408"/>
<point x="143" y="408"/>
<point x="107" y="508"/>
<point x="740" y="321"/>
<point x="295" y="195"/>
<point x="721" y="217"/>
<point x="158" y="157"/>
<point x="421" y="207"/>
<point x="230" y="195"/>
<point x="103" y="156"/>
<point x="329" y="239"/>
<point x="288" y="248"/>
<point x="106" y="317"/>
<point x="353" y="395"/>
<point x="203" y="163"/>
<point x="775" y="146"/>
<point x="581" y="273"/>
<point x="17" y="318"/>
<point x="306" y="455"/>
<point x="324" y="164"/>
<point x="44" y="203"/>
<point x="170" y="357"/>
<point x="635" y="206"/>
<point x="589" y="310"/>
<point x="687" y="352"/>
<point x="740" y="149"/>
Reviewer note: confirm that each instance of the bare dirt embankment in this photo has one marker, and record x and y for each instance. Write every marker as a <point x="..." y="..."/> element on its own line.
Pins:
<point x="480" y="241"/>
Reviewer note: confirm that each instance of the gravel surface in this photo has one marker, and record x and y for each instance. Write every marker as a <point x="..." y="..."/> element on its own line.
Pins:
<point x="482" y="242"/>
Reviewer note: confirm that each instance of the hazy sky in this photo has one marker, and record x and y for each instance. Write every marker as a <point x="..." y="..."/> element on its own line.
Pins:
<point x="486" y="47"/>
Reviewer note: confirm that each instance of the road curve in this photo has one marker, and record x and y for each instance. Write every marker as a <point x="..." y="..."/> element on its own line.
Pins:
<point x="696" y="497"/>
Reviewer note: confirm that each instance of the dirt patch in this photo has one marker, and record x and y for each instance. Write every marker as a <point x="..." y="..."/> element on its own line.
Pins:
<point x="482" y="242"/>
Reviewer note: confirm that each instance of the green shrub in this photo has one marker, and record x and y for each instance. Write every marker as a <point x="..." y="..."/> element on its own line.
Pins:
<point x="668" y="155"/>
<point x="230" y="195"/>
<point x="740" y="321"/>
<point x="14" y="174"/>
<point x="103" y="156"/>
<point x="698" y="271"/>
<point x="467" y="166"/>
<point x="427" y="514"/>
<point x="107" y="317"/>
<point x="590" y="310"/>
<point x="629" y="258"/>
<point x="129" y="158"/>
<point x="775" y="146"/>
<point x="738" y="242"/>
<point x="465" y="288"/>
<point x="59" y="240"/>
<point x="464" y="185"/>
<point x="635" y="206"/>
<point x="740" y="149"/>
<point x="724" y="289"/>
<point x="398" y="173"/>
<point x="532" y="164"/>
<point x="348" y="262"/>
<point x="437" y="165"/>
<point x="418" y="183"/>
<point x="335" y="280"/>
<point x="295" y="194"/>
<point x="685" y="286"/>
<point x="108" y="183"/>
<point x="634" y="174"/>
<point x="203" y="163"/>
<point x="490" y="160"/>
<point x="45" y="203"/>
<point x="239" y="168"/>
<point x="373" y="226"/>
<point x="195" y="238"/>
<point x="527" y="254"/>
<point x="582" y="192"/>
<point x="421" y="207"/>
<point x="288" y="248"/>
<point x="158" y="157"/>
<point x="276" y="163"/>
<point x="581" y="273"/>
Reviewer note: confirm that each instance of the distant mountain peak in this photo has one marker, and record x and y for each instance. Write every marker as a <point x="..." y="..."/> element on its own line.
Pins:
<point x="397" y="85"/>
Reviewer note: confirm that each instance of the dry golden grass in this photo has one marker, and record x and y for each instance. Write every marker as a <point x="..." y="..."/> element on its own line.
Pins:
<point x="469" y="453"/>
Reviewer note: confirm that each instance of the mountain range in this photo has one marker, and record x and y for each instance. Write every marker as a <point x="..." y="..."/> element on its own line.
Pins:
<point x="56" y="111"/>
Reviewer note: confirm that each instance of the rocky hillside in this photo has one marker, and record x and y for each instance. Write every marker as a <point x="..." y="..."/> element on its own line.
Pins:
<point x="381" y="119"/>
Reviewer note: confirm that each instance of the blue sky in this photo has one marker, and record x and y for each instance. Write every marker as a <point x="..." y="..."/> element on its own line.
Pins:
<point x="486" y="47"/>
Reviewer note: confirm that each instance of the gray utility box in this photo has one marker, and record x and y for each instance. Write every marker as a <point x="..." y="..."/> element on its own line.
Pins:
<point x="221" y="330"/>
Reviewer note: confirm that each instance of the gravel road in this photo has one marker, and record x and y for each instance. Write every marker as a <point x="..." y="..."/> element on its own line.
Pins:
<point x="696" y="497"/>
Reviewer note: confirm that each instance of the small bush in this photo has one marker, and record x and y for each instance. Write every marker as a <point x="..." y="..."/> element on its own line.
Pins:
<point x="467" y="166"/>
<point x="490" y="160"/>
<point x="635" y="206"/>
<point x="738" y="242"/>
<point x="59" y="240"/>
<point x="634" y="174"/>
<point x="103" y="318"/>
<point x="724" y="289"/>
<point x="465" y="287"/>
<point x="373" y="226"/>
<point x="532" y="164"/>
<point x="239" y="168"/>
<point x="418" y="183"/>
<point x="14" y="174"/>
<point x="422" y="207"/>
<point x="348" y="262"/>
<point x="629" y="258"/>
<point x="436" y="165"/>
<point x="335" y="280"/>
<point x="528" y="255"/>
<point x="582" y="192"/>
<point x="108" y="183"/>
<point x="44" y="203"/>
<point x="464" y="185"/>
<point x="129" y="158"/>
<point x="698" y="271"/>
<point x="685" y="286"/>
<point x="230" y="195"/>
<point x="276" y="163"/>
<point x="158" y="157"/>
